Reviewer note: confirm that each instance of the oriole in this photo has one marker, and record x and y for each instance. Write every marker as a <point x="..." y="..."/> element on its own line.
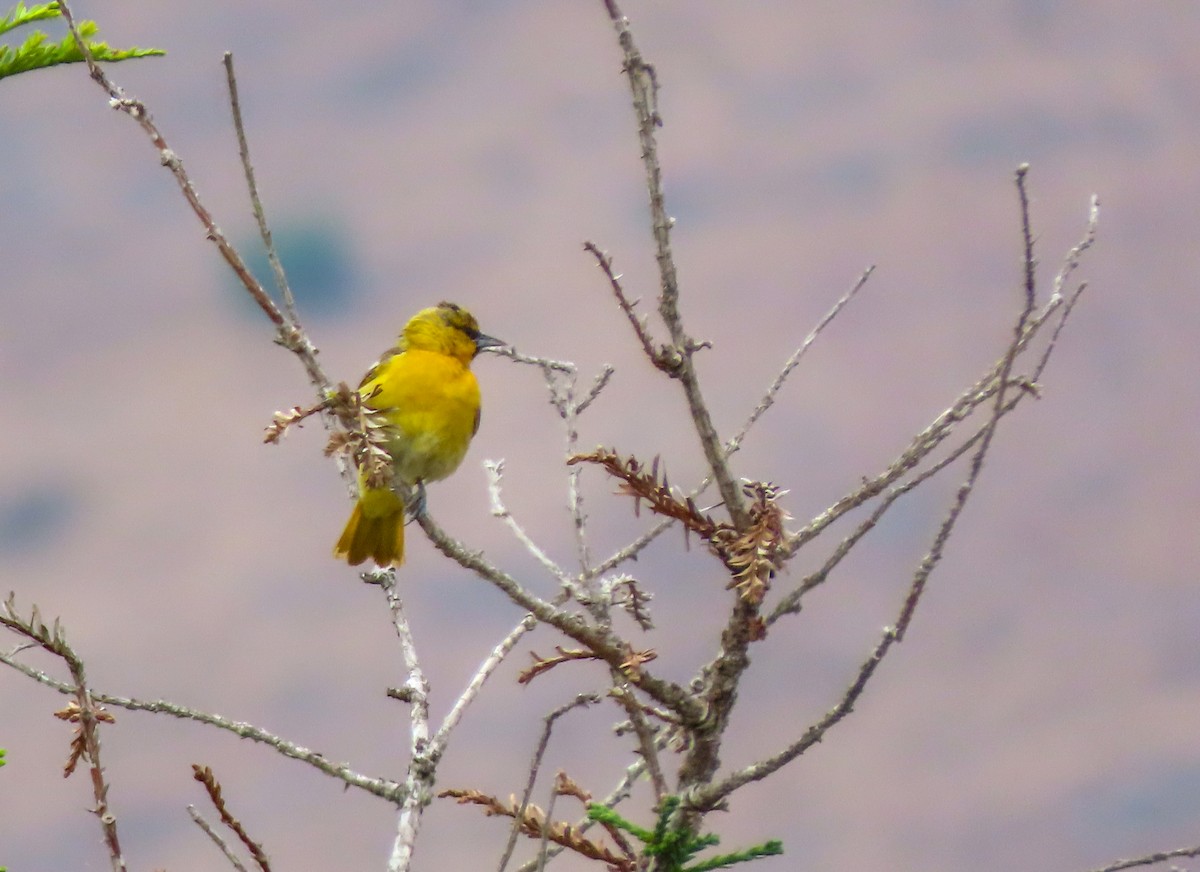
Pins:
<point x="426" y="392"/>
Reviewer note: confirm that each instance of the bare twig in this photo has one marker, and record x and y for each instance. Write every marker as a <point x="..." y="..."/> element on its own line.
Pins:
<point x="205" y="776"/>
<point x="423" y="759"/>
<point x="790" y="604"/>
<point x="260" y="215"/>
<point x="768" y="400"/>
<point x="1075" y="255"/>
<point x="381" y="787"/>
<point x="221" y="844"/>
<point x="633" y="549"/>
<point x="584" y="699"/>
<point x="928" y="440"/>
<point x="1149" y="859"/>
<point x="288" y="332"/>
<point x="495" y="471"/>
<point x="677" y="357"/>
<point x="663" y="356"/>
<point x="485" y="670"/>
<point x="706" y="796"/>
<point x="646" y="736"/>
<point x="613" y="649"/>
<point x="84" y="711"/>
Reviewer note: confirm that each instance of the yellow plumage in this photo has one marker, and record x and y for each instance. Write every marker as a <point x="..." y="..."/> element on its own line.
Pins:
<point x="425" y="390"/>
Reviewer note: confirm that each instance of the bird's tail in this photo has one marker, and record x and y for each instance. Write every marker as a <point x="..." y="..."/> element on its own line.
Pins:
<point x="375" y="529"/>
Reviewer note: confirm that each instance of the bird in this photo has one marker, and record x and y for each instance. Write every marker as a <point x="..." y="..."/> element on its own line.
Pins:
<point x="424" y="390"/>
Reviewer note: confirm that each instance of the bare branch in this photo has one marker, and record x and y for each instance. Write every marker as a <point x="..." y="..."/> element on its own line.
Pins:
<point x="83" y="711"/>
<point x="198" y="818"/>
<point x="603" y="641"/>
<point x="288" y="332"/>
<point x="706" y="796"/>
<point x="768" y="400"/>
<point x="646" y="736"/>
<point x="643" y="83"/>
<point x="1149" y="859"/>
<point x="260" y="215"/>
<point x="495" y="471"/>
<point x="423" y="758"/>
<point x="485" y="670"/>
<point x="381" y="787"/>
<point x="584" y="699"/>
<point x="663" y="357"/>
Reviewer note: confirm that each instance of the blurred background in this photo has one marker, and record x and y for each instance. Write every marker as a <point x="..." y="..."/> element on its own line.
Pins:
<point x="1043" y="711"/>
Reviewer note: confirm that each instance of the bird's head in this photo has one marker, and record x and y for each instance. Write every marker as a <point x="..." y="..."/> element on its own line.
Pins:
<point x="449" y="329"/>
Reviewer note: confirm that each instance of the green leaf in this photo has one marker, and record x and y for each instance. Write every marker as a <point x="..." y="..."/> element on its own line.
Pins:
<point x="20" y="15"/>
<point x="677" y="846"/>
<point x="37" y="53"/>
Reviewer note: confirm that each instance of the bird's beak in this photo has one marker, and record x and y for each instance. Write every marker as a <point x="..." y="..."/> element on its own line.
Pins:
<point x="483" y="341"/>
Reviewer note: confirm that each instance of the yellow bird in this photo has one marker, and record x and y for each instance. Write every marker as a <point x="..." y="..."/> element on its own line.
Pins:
<point x="425" y="390"/>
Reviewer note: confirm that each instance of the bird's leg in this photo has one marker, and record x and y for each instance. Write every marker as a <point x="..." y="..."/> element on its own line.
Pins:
<point x="415" y="503"/>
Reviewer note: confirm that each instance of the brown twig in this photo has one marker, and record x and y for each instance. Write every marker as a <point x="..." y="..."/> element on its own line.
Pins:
<point x="663" y="357"/>
<point x="643" y="84"/>
<point x="288" y="331"/>
<point x="84" y="711"/>
<point x="532" y="822"/>
<point x="205" y="776"/>
<point x="545" y="664"/>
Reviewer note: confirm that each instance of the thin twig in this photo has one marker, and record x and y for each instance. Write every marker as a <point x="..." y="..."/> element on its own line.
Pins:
<point x="495" y="471"/>
<point x="633" y="549"/>
<point x="768" y="400"/>
<point x="84" y="712"/>
<point x="661" y="357"/>
<point x="423" y="759"/>
<point x="380" y="787"/>
<point x="925" y="442"/>
<point x="288" y="333"/>
<point x="1075" y="255"/>
<point x="790" y="604"/>
<point x="583" y="699"/>
<point x="1149" y="859"/>
<point x="260" y="215"/>
<point x="609" y="646"/>
<point x="485" y="670"/>
<point x="198" y="818"/>
<point x="677" y="357"/>
<point x="646" y="736"/>
<point x="706" y="796"/>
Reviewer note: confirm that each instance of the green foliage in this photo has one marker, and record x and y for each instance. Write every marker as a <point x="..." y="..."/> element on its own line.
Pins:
<point x="37" y="52"/>
<point x="2" y="752"/>
<point x="677" y="846"/>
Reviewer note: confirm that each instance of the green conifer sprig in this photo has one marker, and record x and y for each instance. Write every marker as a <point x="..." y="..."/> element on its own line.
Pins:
<point x="39" y="51"/>
<point x="677" y="846"/>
